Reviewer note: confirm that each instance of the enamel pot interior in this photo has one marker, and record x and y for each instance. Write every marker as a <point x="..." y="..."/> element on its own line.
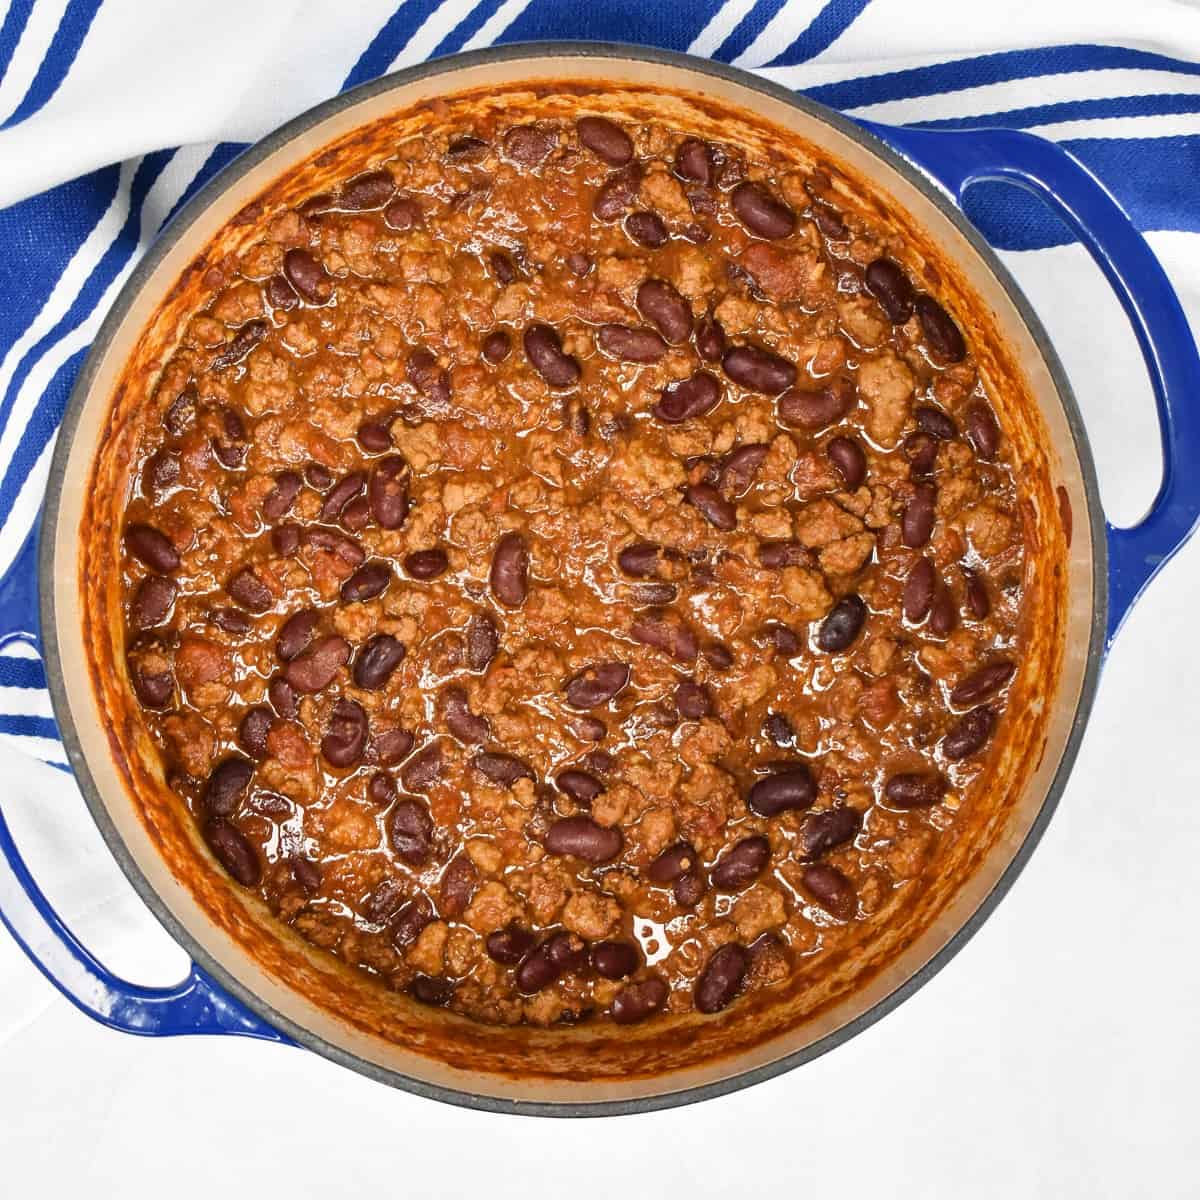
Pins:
<point x="595" y="1067"/>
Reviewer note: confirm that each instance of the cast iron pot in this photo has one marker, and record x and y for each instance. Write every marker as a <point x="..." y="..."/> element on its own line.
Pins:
<point x="228" y="990"/>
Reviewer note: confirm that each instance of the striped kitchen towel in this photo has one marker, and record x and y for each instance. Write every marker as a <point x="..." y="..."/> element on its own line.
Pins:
<point x="113" y="113"/>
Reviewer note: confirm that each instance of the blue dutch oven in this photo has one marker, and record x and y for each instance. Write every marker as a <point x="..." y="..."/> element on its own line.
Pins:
<point x="229" y="991"/>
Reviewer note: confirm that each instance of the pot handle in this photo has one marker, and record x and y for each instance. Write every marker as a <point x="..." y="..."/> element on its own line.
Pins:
<point x="197" y="1004"/>
<point x="958" y="158"/>
<point x="194" y="1005"/>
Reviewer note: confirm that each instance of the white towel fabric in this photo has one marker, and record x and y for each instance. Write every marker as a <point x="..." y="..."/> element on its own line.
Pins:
<point x="1053" y="1057"/>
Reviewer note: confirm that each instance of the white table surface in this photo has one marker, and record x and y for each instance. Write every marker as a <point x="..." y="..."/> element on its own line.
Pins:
<point x="1056" y="1056"/>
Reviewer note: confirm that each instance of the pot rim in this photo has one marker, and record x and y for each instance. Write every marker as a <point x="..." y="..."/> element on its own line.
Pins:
<point x="176" y="230"/>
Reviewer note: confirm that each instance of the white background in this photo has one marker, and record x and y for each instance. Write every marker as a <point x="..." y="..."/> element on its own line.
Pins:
<point x="1055" y="1056"/>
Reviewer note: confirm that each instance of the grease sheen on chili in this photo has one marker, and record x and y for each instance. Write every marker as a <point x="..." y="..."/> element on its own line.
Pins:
<point x="573" y="571"/>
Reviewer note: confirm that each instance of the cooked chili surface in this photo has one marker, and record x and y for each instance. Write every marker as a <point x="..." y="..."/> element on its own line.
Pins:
<point x="573" y="571"/>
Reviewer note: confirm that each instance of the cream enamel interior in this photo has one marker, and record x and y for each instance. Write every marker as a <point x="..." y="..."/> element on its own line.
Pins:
<point x="89" y="721"/>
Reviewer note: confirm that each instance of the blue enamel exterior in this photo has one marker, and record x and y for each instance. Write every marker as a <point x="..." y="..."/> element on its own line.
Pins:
<point x="954" y="159"/>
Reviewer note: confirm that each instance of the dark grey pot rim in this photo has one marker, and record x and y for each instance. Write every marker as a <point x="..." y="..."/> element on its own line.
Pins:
<point x="176" y="230"/>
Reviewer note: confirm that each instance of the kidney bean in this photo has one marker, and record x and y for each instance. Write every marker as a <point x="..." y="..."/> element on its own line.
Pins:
<point x="152" y="548"/>
<point x="710" y="339"/>
<point x="581" y="837"/>
<point x="843" y="624"/>
<point x="226" y="786"/>
<point x="307" y="276"/>
<point x="916" y="525"/>
<point x="943" y="616"/>
<point x="345" y="737"/>
<point x="918" y="591"/>
<point x="160" y="473"/>
<point x="693" y="700"/>
<point x="721" y="978"/>
<point x="429" y="378"/>
<point x="528" y="145"/>
<point x="631" y="345"/>
<point x="369" y="581"/>
<point x="285" y="539"/>
<point x="617" y="193"/>
<point x="307" y="874"/>
<point x="246" y="589"/>
<point x="639" y="1000"/>
<point x="426" y="564"/>
<point x="665" y="631"/>
<point x="717" y="656"/>
<point x="411" y="917"/>
<point x="778" y="729"/>
<point x="509" y="575"/>
<point x="578" y="264"/>
<point x="782" y="791"/>
<point x="579" y="785"/>
<point x="231" y="620"/>
<point x="497" y="346"/>
<point x="252" y="732"/>
<point x="423" y="769"/>
<point x="280" y="294"/>
<point x="826" y="830"/>
<point x="689" y="889"/>
<point x="502" y="267"/>
<point x="711" y="505"/>
<point x="341" y="494"/>
<point x="296" y="633"/>
<point x="935" y="422"/>
<point x="914" y="789"/>
<point x="605" y="140"/>
<point x="739" y="468"/>
<point x="231" y="849"/>
<point x="483" y="641"/>
<point x="315" y="668"/>
<point x="892" y="288"/>
<point x="647" y="229"/>
<point x="762" y="212"/>
<point x="282" y="697"/>
<point x="979" y="603"/>
<point x="242" y="342"/>
<point x="758" y="370"/>
<point x="614" y="959"/>
<point x="509" y="945"/>
<point x="847" y="456"/>
<point x="777" y="555"/>
<point x="459" y="881"/>
<point x="182" y="411"/>
<point x="665" y="309"/>
<point x="432" y="990"/>
<point x="402" y="214"/>
<point x="830" y="223"/>
<point x="410" y="829"/>
<point x="921" y="451"/>
<point x="373" y="189"/>
<point x="673" y="863"/>
<point x="382" y="789"/>
<point x="983" y="684"/>
<point x="461" y="721"/>
<point x="943" y="336"/>
<point x="282" y="496"/>
<point x="596" y="685"/>
<point x="153" y="689"/>
<point x="831" y="890"/>
<point x="982" y="431"/>
<point x="695" y="160"/>
<point x="969" y="734"/>
<point x="387" y="492"/>
<point x="687" y="398"/>
<point x="640" y="559"/>
<point x="814" y="410"/>
<point x="588" y="729"/>
<point x="537" y="970"/>
<point x="333" y="542"/>
<point x="504" y="769"/>
<point x="318" y="476"/>
<point x="357" y="514"/>
<point x="741" y="863"/>
<point x="379" y="657"/>
<point x="543" y="348"/>
<point x="152" y="602"/>
<point x="374" y="437"/>
<point x="391" y="746"/>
